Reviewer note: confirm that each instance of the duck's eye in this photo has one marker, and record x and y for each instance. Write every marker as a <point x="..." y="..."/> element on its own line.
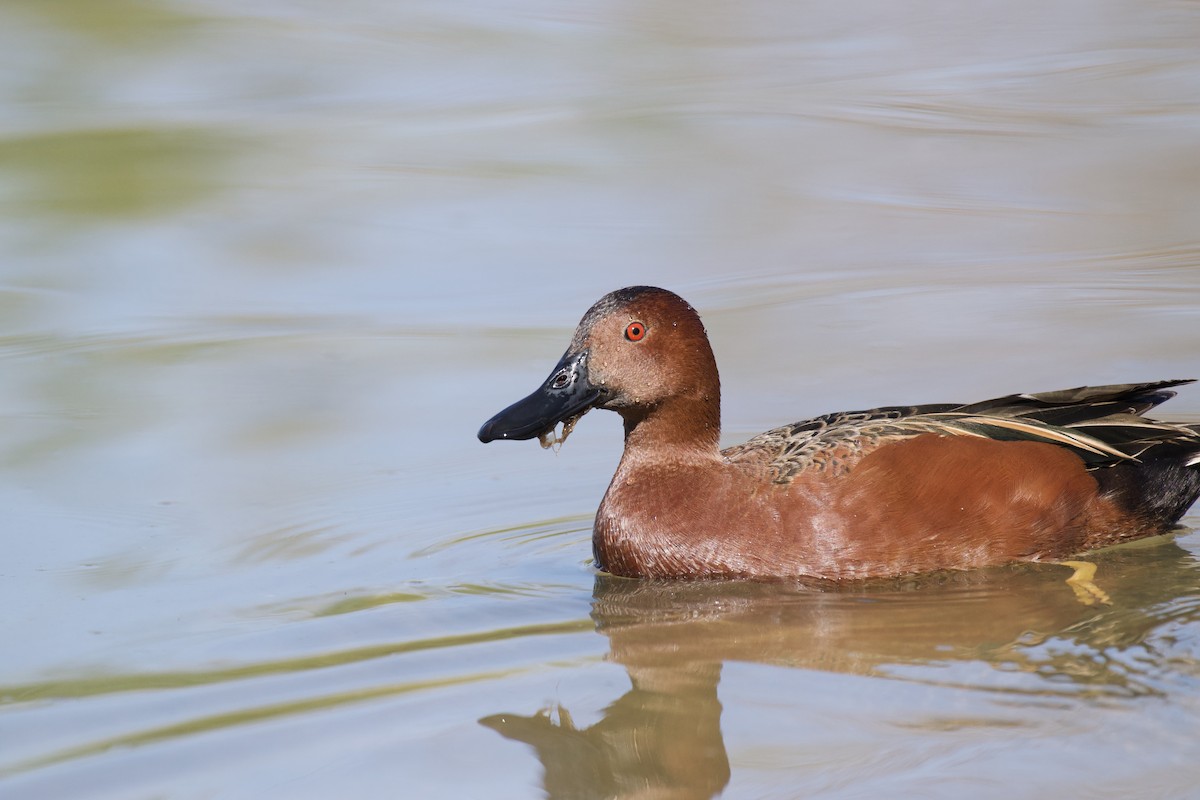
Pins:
<point x="634" y="331"/>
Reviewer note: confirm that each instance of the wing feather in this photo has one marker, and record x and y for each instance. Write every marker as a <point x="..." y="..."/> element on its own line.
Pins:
<point x="1103" y="425"/>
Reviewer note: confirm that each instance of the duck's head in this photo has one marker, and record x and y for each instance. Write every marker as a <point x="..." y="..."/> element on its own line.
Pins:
<point x="635" y="351"/>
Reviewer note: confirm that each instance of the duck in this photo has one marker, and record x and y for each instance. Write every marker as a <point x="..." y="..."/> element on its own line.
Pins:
<point x="881" y="493"/>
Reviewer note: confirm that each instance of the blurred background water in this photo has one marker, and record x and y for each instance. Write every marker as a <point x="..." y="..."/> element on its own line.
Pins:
<point x="265" y="267"/>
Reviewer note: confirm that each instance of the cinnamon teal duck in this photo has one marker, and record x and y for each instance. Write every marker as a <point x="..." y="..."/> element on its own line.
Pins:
<point x="864" y="494"/>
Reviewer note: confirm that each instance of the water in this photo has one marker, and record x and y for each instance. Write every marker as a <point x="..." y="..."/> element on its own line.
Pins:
<point x="267" y="267"/>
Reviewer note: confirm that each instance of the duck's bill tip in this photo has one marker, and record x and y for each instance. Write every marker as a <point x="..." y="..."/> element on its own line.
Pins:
<point x="499" y="428"/>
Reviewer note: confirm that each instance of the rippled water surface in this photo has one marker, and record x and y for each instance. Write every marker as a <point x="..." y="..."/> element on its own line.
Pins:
<point x="265" y="267"/>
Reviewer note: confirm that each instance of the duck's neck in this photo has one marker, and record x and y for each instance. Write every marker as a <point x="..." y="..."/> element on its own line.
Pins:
<point x="682" y="426"/>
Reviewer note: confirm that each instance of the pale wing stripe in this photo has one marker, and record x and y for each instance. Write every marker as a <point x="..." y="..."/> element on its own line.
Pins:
<point x="1139" y="423"/>
<point x="1050" y="434"/>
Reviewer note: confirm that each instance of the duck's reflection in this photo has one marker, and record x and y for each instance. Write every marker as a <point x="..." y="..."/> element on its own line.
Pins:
<point x="663" y="739"/>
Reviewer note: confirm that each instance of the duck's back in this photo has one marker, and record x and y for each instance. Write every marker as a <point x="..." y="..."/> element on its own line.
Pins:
<point x="1103" y="425"/>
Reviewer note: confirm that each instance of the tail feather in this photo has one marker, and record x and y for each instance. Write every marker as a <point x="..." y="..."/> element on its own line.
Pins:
<point x="1159" y="492"/>
<point x="1089" y="401"/>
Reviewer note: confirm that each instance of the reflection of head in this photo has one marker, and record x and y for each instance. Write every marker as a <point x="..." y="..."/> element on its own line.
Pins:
<point x="662" y="738"/>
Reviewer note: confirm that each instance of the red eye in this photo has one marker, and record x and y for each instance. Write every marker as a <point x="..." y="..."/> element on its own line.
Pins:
<point x="634" y="331"/>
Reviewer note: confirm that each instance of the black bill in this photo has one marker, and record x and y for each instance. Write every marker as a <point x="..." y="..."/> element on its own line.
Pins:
<point x="563" y="397"/>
